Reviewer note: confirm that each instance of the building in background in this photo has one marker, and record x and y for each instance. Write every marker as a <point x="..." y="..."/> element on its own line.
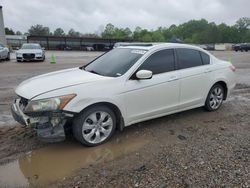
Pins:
<point x="15" y="41"/>
<point x="2" y="30"/>
<point x="74" y="43"/>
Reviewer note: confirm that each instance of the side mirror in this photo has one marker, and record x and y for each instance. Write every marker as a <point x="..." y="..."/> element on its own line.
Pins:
<point x="43" y="48"/>
<point x="17" y="48"/>
<point x="144" y="74"/>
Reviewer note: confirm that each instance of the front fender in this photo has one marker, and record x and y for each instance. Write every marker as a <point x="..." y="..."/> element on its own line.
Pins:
<point x="77" y="106"/>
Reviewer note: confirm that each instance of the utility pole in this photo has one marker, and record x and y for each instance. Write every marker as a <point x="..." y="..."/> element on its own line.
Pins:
<point x="2" y="29"/>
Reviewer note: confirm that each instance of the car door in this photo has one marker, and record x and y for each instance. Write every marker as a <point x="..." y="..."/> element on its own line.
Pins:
<point x="149" y="98"/>
<point x="195" y="74"/>
<point x="1" y="52"/>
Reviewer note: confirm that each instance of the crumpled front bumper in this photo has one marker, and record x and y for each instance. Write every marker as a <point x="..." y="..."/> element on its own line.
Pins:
<point x="18" y="114"/>
<point x="48" y="125"/>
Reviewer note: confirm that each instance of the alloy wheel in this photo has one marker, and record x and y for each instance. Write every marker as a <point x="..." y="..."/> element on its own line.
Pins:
<point x="97" y="127"/>
<point x="216" y="98"/>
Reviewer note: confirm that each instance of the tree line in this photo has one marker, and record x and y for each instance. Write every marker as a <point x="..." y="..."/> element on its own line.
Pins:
<point x="193" y="31"/>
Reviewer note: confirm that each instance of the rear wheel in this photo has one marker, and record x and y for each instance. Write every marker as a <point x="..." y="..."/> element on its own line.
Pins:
<point x="215" y="98"/>
<point x="94" y="126"/>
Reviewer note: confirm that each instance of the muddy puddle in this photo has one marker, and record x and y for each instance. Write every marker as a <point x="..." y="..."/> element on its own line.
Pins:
<point x="6" y="120"/>
<point x="55" y="162"/>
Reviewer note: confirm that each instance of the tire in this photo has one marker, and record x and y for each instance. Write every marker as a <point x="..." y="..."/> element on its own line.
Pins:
<point x="88" y="123"/>
<point x="215" y="98"/>
<point x="8" y="57"/>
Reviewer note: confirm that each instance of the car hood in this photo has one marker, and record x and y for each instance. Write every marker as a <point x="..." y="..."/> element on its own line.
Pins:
<point x="56" y="80"/>
<point x="29" y="51"/>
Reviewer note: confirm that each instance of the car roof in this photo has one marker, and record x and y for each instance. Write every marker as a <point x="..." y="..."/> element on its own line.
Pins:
<point x="150" y="46"/>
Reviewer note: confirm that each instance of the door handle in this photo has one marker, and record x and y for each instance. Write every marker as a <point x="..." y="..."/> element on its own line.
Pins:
<point x="173" y="78"/>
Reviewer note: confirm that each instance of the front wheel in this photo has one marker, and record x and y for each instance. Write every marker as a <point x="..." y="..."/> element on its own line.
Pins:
<point x="94" y="126"/>
<point x="215" y="98"/>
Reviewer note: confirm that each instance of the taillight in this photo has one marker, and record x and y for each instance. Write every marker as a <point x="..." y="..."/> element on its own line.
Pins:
<point x="232" y="68"/>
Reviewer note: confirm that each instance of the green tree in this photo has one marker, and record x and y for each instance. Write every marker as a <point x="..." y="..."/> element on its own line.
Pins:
<point x="18" y="33"/>
<point x="9" y="31"/>
<point x="73" y="33"/>
<point x="137" y="34"/>
<point x="109" y="31"/>
<point x="243" y="26"/>
<point x="243" y="23"/>
<point x="157" y="36"/>
<point x="59" y="32"/>
<point x="39" y="30"/>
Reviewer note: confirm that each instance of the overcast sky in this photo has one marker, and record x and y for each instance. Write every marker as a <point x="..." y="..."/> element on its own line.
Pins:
<point x="91" y="15"/>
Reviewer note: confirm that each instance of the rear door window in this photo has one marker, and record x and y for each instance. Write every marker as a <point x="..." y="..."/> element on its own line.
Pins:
<point x="188" y="58"/>
<point x="205" y="58"/>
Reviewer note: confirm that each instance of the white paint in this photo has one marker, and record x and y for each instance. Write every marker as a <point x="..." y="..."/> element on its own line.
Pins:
<point x="138" y="100"/>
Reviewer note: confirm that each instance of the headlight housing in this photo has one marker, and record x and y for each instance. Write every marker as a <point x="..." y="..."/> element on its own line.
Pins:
<point x="50" y="104"/>
<point x="19" y="54"/>
<point x="39" y="54"/>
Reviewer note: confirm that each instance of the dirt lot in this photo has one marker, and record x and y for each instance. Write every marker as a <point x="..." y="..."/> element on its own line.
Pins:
<point x="189" y="149"/>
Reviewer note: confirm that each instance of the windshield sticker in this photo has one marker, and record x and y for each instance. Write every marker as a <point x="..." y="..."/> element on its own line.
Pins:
<point x="138" y="51"/>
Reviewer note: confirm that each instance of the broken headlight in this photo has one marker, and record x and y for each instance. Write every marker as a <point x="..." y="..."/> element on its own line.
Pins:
<point x="50" y="104"/>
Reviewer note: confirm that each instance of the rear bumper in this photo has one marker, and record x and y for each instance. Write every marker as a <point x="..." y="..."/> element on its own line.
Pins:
<point x="49" y="126"/>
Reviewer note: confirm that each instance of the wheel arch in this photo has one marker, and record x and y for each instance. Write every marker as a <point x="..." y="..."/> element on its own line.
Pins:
<point x="224" y="85"/>
<point x="114" y="108"/>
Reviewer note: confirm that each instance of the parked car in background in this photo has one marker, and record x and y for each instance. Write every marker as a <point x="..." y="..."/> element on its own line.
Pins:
<point x="118" y="44"/>
<point x="63" y="47"/>
<point x="30" y="52"/>
<point x="208" y="47"/>
<point x="126" y="85"/>
<point x="241" y="47"/>
<point x="4" y="53"/>
<point x="87" y="48"/>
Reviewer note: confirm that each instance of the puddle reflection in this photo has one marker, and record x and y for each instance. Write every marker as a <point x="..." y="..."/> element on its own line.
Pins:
<point x="55" y="162"/>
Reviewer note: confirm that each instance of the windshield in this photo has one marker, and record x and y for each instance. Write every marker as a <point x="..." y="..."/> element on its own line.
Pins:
<point x="31" y="46"/>
<point x="115" y="62"/>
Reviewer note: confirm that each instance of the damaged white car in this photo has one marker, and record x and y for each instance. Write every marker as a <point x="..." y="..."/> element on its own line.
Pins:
<point x="127" y="85"/>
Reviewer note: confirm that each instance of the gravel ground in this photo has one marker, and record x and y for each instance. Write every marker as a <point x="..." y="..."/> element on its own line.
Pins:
<point x="189" y="149"/>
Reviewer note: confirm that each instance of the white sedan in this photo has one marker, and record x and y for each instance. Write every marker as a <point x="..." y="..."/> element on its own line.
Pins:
<point x="127" y="85"/>
<point x="30" y="52"/>
<point x="4" y="53"/>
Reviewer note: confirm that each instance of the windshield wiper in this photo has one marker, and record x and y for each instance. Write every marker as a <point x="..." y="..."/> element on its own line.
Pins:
<point x="94" y="72"/>
<point x="82" y="68"/>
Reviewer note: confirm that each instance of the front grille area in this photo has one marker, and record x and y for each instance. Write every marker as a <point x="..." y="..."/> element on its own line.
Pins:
<point x="28" y="56"/>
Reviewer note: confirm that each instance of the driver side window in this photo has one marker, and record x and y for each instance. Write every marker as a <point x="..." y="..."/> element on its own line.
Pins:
<point x="160" y="62"/>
